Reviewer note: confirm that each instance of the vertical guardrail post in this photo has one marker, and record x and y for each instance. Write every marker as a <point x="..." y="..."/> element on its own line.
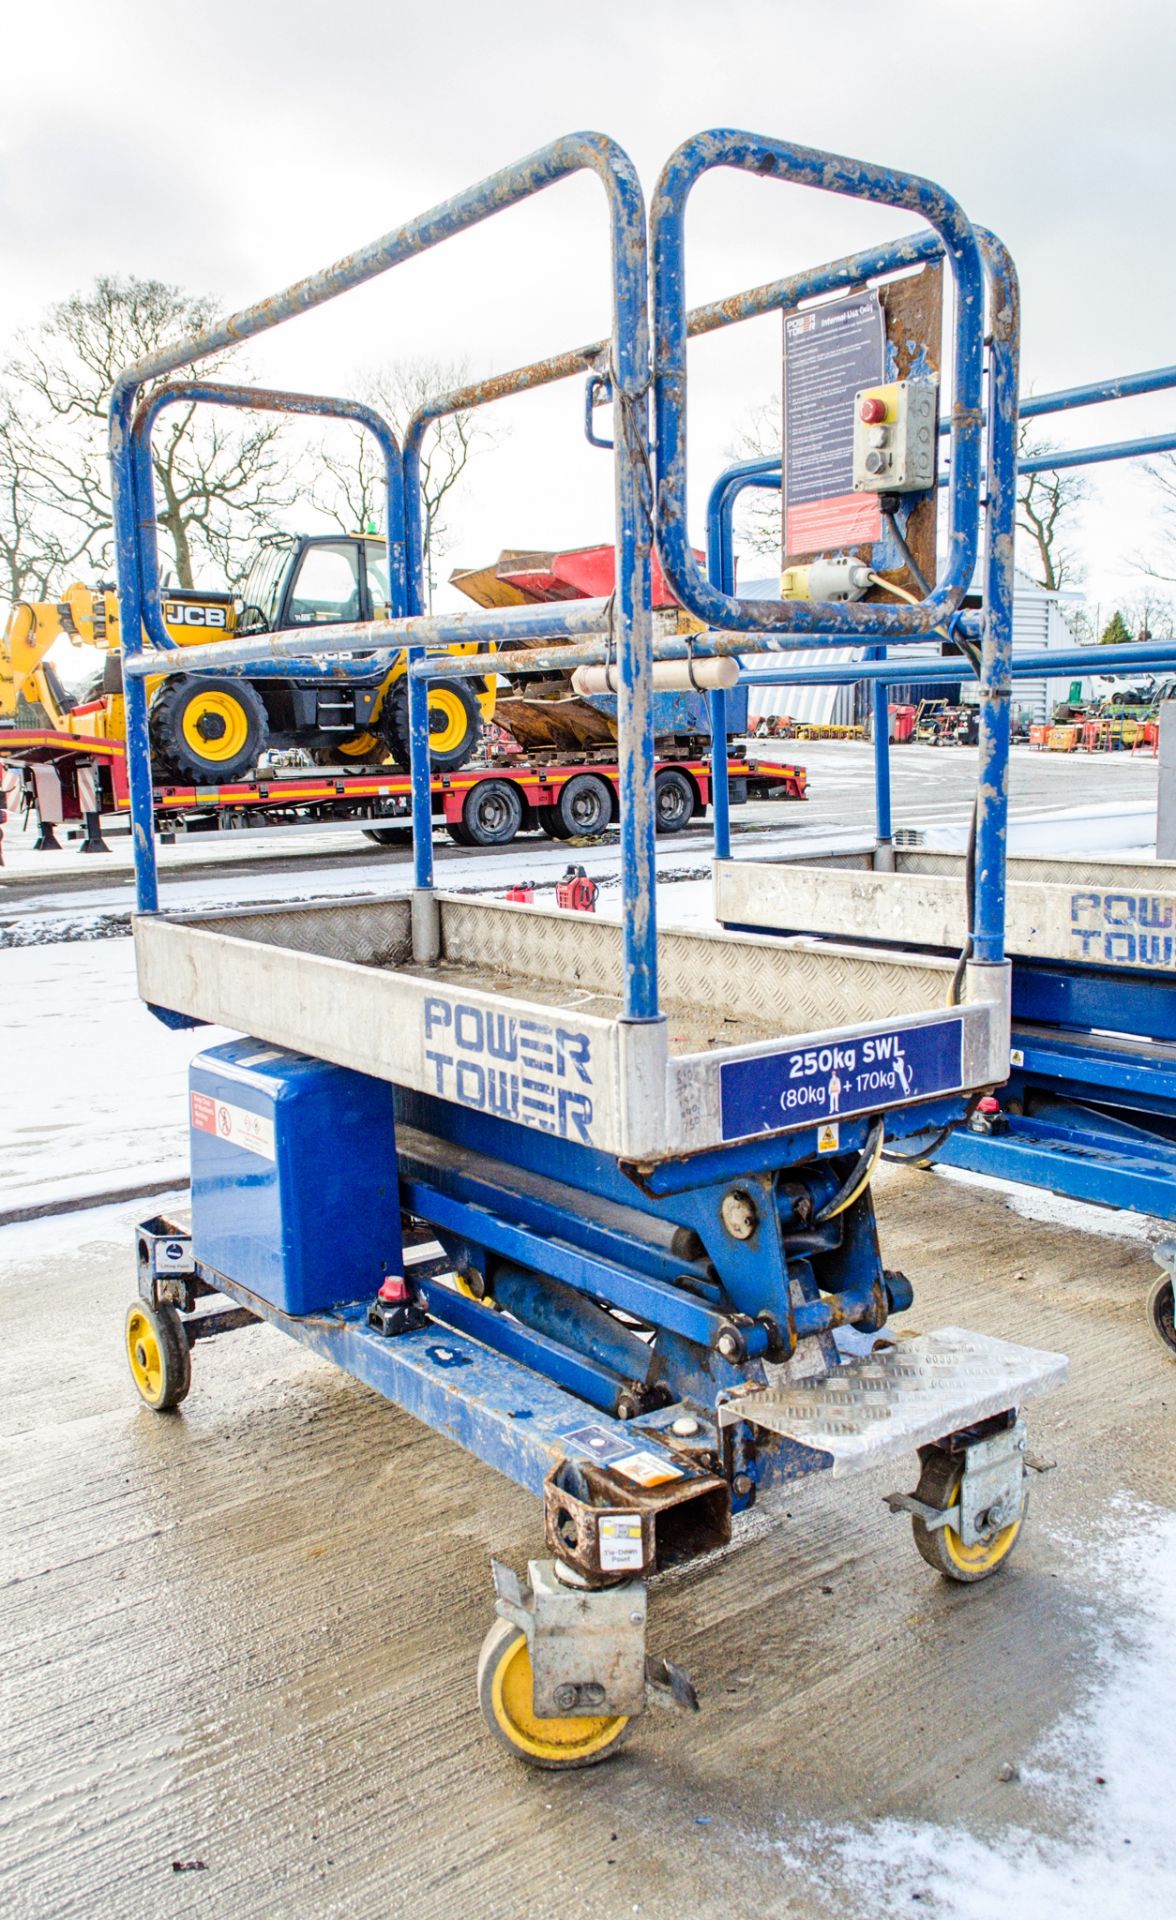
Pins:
<point x="124" y="498"/>
<point x="883" y="831"/>
<point x="992" y="793"/>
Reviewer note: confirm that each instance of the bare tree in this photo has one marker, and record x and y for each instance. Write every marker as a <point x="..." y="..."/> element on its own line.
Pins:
<point x="1162" y="474"/>
<point x="33" y="554"/>
<point x="219" y="478"/>
<point x="1150" y="614"/>
<point x="351" y="490"/>
<point x="1045" y="514"/>
<point x="759" y="438"/>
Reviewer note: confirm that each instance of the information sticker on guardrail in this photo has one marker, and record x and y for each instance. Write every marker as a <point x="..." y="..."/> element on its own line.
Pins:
<point x="812" y="1086"/>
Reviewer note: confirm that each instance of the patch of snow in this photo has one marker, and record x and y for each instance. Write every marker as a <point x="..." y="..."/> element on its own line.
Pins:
<point x="1105" y="1768"/>
<point x="92" y="1091"/>
<point x="1078" y="1216"/>
<point x="60" y="1236"/>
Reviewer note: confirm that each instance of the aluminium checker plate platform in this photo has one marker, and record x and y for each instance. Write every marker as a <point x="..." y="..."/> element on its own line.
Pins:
<point x="1111" y="913"/>
<point x="520" y="1017"/>
<point x="900" y="1397"/>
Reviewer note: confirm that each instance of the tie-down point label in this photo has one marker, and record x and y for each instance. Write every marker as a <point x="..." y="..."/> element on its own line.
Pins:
<point x="807" y="1085"/>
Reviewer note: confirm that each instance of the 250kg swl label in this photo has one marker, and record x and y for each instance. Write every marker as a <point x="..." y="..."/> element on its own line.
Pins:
<point x="815" y="1085"/>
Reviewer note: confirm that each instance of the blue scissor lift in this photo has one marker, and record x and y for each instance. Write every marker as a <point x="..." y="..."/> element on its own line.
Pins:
<point x="1089" y="1108"/>
<point x="589" y="1198"/>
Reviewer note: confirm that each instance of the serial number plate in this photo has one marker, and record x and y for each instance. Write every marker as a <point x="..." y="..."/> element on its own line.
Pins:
<point x="804" y="1086"/>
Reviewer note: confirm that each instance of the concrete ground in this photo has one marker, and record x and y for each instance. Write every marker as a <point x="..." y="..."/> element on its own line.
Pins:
<point x="237" y="1644"/>
<point x="242" y="1638"/>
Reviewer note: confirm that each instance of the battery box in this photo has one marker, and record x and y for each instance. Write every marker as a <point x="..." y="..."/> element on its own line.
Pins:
<point x="294" y="1182"/>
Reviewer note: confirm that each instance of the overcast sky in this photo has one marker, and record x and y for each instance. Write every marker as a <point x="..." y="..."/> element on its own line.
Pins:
<point x="234" y="146"/>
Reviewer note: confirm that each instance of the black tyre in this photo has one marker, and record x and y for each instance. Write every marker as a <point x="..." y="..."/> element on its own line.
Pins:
<point x="941" y="1547"/>
<point x="673" y="800"/>
<point x="583" y="809"/>
<point x="208" y="728"/>
<point x="388" y="836"/>
<point x="458" y="833"/>
<point x="492" y="813"/>
<point x="158" y="1355"/>
<point x="1160" y="1313"/>
<point x="455" y="724"/>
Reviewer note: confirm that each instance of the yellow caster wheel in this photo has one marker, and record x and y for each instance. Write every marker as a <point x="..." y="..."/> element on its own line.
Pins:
<point x="1160" y="1317"/>
<point x="942" y="1547"/>
<point x="158" y="1354"/>
<point x="505" y="1697"/>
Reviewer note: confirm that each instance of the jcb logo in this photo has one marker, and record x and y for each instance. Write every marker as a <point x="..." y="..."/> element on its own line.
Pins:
<point x="181" y="613"/>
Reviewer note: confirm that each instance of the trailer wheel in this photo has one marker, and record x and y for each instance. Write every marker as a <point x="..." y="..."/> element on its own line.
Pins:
<point x="159" y="1356"/>
<point x="1160" y="1312"/>
<point x="455" y="724"/>
<point x="208" y="728"/>
<point x="388" y="836"/>
<point x="505" y="1694"/>
<point x="583" y="809"/>
<point x="492" y="813"/>
<point x="942" y="1547"/>
<point x="673" y="800"/>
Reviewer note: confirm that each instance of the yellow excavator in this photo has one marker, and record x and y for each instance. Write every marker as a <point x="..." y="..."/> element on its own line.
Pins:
<point x="62" y="657"/>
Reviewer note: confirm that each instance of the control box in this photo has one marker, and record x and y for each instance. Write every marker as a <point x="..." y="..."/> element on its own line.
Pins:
<point x="896" y="437"/>
<point x="295" y="1193"/>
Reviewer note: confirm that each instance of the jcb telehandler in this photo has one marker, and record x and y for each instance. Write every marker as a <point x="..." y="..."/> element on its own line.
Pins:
<point x="211" y="728"/>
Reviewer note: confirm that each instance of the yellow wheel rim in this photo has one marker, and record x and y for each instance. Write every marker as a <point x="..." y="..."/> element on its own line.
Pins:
<point x="225" y="722"/>
<point x="448" y="721"/>
<point x="985" y="1554"/>
<point x="143" y="1352"/>
<point x="551" y="1740"/>
<point x="359" y="747"/>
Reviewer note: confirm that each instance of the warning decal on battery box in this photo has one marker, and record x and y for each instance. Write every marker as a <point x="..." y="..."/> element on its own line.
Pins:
<point x="253" y="1132"/>
<point x="816" y="1085"/>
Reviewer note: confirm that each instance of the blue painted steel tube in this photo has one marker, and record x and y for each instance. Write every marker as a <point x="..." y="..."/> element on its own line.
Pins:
<point x="1094" y="393"/>
<point x="720" y="774"/>
<point x="785" y="161"/>
<point x="426" y="631"/>
<point x="130" y="618"/>
<point x="996" y="653"/>
<point x="1157" y="655"/>
<point x="883" y="830"/>
<point x="258" y="400"/>
<point x="596" y="383"/>
<point x="1096" y="456"/>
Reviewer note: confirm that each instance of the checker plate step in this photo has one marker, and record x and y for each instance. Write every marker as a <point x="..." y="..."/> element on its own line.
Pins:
<point x="874" y="1409"/>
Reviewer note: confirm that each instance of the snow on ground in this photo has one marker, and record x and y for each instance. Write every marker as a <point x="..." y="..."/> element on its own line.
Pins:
<point x="1099" y="1775"/>
<point x="1035" y="1203"/>
<point x="62" y="1236"/>
<point x="91" y="1084"/>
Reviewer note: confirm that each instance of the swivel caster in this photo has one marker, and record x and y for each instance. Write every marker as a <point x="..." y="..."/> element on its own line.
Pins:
<point x="158" y="1354"/>
<point x="942" y="1547"/>
<point x="505" y="1694"/>
<point x="1160" y="1313"/>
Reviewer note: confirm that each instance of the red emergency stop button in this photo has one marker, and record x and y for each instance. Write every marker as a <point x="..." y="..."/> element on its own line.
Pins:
<point x="988" y="1105"/>
<point x="872" y="411"/>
